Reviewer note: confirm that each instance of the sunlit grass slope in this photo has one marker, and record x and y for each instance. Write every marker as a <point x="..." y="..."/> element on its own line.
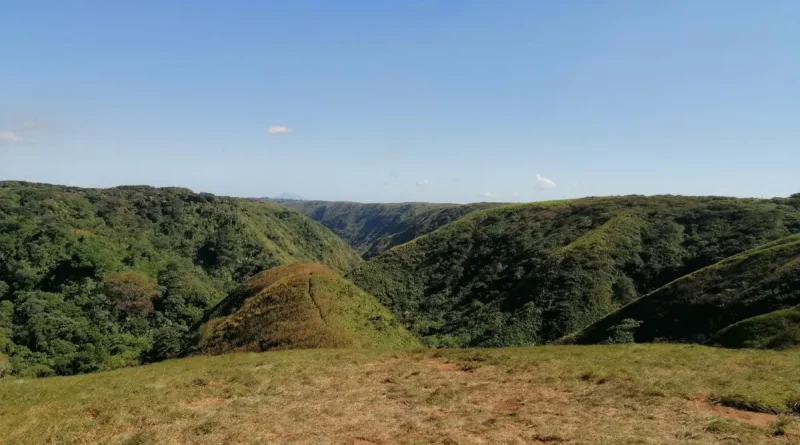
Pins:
<point x="580" y="395"/>
<point x="302" y="305"/>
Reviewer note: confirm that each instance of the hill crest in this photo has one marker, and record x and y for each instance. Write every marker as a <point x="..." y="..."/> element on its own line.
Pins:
<point x="301" y="305"/>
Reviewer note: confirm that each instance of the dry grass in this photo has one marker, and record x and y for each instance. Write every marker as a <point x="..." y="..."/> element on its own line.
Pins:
<point x="549" y="395"/>
<point x="301" y="306"/>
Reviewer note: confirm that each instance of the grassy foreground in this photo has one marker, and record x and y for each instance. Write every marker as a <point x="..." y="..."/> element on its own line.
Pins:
<point x="618" y="394"/>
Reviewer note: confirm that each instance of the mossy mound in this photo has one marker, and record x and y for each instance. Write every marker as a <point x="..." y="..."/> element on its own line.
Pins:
<point x="775" y="330"/>
<point x="302" y="305"/>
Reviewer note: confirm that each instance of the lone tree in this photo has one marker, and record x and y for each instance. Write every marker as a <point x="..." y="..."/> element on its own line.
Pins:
<point x="131" y="292"/>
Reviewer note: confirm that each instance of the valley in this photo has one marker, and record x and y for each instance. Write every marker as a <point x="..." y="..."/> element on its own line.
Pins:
<point x="399" y="223"/>
<point x="194" y="318"/>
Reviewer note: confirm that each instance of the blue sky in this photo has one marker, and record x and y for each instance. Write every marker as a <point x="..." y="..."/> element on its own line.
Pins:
<point x="404" y="101"/>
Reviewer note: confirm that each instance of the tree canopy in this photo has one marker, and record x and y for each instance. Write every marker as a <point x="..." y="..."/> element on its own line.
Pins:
<point x="94" y="279"/>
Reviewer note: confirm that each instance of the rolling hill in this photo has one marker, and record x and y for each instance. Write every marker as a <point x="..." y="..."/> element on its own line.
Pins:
<point x="776" y="330"/>
<point x="94" y="279"/>
<point x="531" y="273"/>
<point x="374" y="228"/>
<point x="695" y="307"/>
<point x="302" y="305"/>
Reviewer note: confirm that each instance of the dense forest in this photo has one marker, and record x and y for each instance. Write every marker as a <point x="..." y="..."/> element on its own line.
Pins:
<point x="532" y="273"/>
<point x="374" y="228"/>
<point x="95" y="279"/>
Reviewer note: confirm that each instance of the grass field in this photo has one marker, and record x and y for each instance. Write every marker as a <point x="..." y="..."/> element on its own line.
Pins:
<point x="623" y="394"/>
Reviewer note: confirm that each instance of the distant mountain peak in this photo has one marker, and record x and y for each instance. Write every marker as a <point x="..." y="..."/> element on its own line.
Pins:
<point x="289" y="195"/>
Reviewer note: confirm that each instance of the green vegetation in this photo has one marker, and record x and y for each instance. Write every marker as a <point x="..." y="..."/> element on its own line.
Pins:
<point x="532" y="273"/>
<point x="95" y="279"/>
<point x="582" y="395"/>
<point x="374" y="228"/>
<point x="300" y="306"/>
<point x="775" y="330"/>
<point x="698" y="305"/>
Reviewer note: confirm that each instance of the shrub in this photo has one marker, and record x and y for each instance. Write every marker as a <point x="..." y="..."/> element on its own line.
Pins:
<point x="131" y="292"/>
<point x="168" y="342"/>
<point x="624" y="331"/>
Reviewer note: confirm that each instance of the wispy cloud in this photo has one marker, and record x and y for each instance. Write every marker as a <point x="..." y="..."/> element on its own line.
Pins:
<point x="9" y="137"/>
<point x="30" y="125"/>
<point x="488" y="194"/>
<point x="544" y="183"/>
<point x="279" y="129"/>
<point x="423" y="183"/>
<point x="515" y="194"/>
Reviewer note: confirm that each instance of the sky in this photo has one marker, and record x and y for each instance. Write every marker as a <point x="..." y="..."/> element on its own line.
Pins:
<point x="419" y="100"/>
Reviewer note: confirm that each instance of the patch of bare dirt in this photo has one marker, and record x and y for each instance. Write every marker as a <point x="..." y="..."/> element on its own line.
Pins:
<point x="365" y="441"/>
<point x="510" y="405"/>
<point x="761" y="420"/>
<point x="205" y="403"/>
<point x="443" y="366"/>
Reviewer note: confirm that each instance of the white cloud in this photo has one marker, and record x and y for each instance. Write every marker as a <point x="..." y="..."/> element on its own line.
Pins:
<point x="544" y="183"/>
<point x="423" y="183"/>
<point x="515" y="194"/>
<point x="488" y="194"/>
<point x="575" y="185"/>
<point x="7" y="136"/>
<point x="30" y="125"/>
<point x="278" y="129"/>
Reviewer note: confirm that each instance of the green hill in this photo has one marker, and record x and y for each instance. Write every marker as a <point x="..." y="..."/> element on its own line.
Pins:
<point x="775" y="330"/>
<point x="374" y="228"/>
<point x="94" y="279"/>
<point x="529" y="274"/>
<point x="300" y="306"/>
<point x="695" y="307"/>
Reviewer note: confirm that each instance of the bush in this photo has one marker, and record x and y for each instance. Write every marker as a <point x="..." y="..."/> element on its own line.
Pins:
<point x="624" y="331"/>
<point x="168" y="342"/>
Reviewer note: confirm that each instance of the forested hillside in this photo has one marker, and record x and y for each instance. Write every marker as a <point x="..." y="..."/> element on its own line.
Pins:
<point x="695" y="307"/>
<point x="94" y="279"/>
<point x="374" y="228"/>
<point x="529" y="274"/>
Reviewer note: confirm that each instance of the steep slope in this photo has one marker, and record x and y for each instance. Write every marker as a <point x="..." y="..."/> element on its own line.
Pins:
<point x="531" y="273"/>
<point x="696" y="306"/>
<point x="99" y="278"/>
<point x="374" y="228"/>
<point x="775" y="330"/>
<point x="301" y="305"/>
